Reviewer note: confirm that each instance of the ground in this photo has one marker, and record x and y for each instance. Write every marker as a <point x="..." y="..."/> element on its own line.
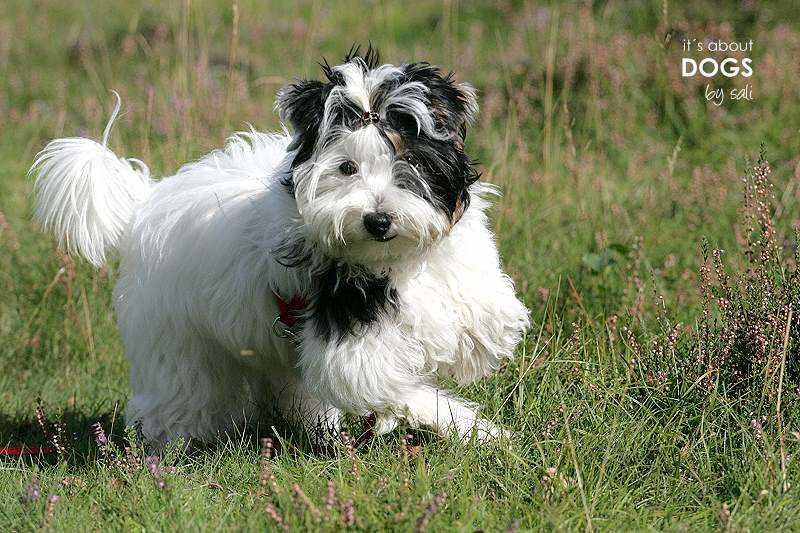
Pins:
<point x="657" y="388"/>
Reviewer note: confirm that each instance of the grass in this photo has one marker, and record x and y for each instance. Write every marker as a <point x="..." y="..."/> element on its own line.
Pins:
<point x="658" y="387"/>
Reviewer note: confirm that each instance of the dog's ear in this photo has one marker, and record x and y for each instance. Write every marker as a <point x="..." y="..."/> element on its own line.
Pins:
<point x="302" y="105"/>
<point x="469" y="99"/>
<point x="454" y="105"/>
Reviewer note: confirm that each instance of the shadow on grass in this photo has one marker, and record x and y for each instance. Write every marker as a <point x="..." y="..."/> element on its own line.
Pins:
<point x="71" y="435"/>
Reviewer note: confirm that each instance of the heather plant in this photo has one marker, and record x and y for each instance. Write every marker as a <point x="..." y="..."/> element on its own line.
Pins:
<point x="749" y="344"/>
<point x="743" y="343"/>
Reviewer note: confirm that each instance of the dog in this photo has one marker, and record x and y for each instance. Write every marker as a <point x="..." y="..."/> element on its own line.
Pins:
<point x="339" y="268"/>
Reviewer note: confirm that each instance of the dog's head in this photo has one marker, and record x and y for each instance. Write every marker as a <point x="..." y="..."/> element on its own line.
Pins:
<point x="379" y="167"/>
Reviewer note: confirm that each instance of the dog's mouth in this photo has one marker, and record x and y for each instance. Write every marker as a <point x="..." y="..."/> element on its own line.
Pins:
<point x="385" y="238"/>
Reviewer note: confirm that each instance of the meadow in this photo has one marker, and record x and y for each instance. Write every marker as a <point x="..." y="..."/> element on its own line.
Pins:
<point x="651" y="233"/>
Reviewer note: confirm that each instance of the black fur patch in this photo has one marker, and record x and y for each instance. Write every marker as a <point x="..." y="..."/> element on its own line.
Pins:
<point x="442" y="162"/>
<point x="449" y="104"/>
<point x="302" y="104"/>
<point x="446" y="170"/>
<point x="343" y="304"/>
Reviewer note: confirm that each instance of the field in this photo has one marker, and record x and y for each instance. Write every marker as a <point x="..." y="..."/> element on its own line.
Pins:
<point x="659" y="386"/>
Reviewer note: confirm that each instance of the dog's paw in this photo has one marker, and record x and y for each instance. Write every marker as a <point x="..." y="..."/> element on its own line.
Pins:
<point x="385" y="424"/>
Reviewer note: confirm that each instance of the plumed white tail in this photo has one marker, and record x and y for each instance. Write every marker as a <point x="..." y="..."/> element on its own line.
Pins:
<point x="85" y="194"/>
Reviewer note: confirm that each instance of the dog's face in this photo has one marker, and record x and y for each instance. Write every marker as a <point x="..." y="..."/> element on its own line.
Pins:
<point x="379" y="169"/>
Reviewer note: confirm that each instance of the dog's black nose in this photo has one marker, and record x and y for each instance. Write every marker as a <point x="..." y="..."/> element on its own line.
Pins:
<point x="377" y="224"/>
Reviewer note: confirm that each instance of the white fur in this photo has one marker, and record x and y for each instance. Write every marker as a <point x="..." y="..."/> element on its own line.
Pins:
<point x="198" y="269"/>
<point x="85" y="194"/>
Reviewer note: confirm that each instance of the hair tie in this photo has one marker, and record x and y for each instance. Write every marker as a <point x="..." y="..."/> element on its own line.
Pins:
<point x="369" y="117"/>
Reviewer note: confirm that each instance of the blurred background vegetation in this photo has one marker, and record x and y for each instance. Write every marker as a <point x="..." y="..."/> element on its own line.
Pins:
<point x="615" y="171"/>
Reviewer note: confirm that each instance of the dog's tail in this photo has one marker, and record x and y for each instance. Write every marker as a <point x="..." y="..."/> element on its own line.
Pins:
<point x="86" y="195"/>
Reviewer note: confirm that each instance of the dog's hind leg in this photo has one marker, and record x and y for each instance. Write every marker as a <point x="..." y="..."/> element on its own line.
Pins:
<point x="186" y="388"/>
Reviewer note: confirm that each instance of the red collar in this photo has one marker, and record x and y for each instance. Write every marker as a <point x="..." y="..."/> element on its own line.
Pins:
<point x="290" y="312"/>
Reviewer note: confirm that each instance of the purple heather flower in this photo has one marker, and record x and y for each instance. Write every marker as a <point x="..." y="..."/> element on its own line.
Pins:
<point x="32" y="491"/>
<point x="99" y="434"/>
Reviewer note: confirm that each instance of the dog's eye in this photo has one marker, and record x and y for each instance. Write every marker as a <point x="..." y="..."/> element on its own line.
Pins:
<point x="348" y="168"/>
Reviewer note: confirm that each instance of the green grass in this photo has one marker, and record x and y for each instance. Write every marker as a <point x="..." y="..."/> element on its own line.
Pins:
<point x="614" y="170"/>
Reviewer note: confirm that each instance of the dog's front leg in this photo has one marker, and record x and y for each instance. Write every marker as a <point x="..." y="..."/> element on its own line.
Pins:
<point x="300" y="405"/>
<point x="380" y="371"/>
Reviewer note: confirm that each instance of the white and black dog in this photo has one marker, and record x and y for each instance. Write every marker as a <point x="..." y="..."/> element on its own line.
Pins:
<point x="336" y="270"/>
